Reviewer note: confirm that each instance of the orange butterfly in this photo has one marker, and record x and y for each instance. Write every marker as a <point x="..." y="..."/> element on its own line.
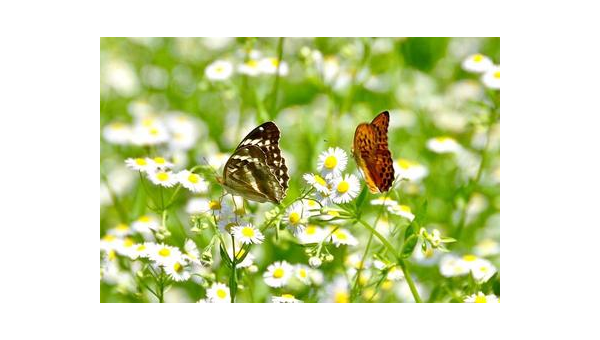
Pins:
<point x="372" y="154"/>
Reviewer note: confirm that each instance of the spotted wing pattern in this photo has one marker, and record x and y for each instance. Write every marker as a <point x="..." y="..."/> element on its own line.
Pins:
<point x="372" y="154"/>
<point x="256" y="170"/>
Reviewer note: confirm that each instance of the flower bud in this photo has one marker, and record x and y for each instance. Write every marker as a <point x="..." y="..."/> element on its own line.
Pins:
<point x="314" y="262"/>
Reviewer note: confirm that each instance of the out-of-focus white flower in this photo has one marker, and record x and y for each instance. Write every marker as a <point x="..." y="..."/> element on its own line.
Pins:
<point x="345" y="189"/>
<point x="343" y="237"/>
<point x="443" y="145"/>
<point x="329" y="68"/>
<point x="247" y="234"/>
<point x="139" y="164"/>
<point x="452" y="265"/>
<point x="150" y="134"/>
<point x="145" y="223"/>
<point x="217" y="160"/>
<point x="302" y="273"/>
<point x="384" y="200"/>
<point x="269" y="66"/>
<point x="410" y="170"/>
<point x="117" y="133"/>
<point x="218" y="293"/>
<point x="338" y="291"/>
<point x="332" y="162"/>
<point x="482" y="298"/>
<point x="121" y="77"/>
<point x="285" y="298"/>
<point x="481" y="269"/>
<point x="491" y="78"/>
<point x="155" y="76"/>
<point x="487" y="247"/>
<point x="193" y="182"/>
<point x="278" y="274"/>
<point x="477" y="63"/>
<point x="402" y="210"/>
<point x="250" y="68"/>
<point x="121" y="230"/>
<point x="192" y="253"/>
<point x="197" y="206"/>
<point x="163" y="178"/>
<point x="219" y="70"/>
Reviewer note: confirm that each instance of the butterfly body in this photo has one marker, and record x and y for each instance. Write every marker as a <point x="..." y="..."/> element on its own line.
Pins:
<point x="372" y="155"/>
<point x="256" y="171"/>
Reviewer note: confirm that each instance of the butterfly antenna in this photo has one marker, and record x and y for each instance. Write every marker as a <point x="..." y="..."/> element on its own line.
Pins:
<point x="210" y="166"/>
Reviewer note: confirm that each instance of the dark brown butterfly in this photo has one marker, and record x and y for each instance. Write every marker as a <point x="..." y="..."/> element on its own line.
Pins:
<point x="256" y="170"/>
<point x="372" y="154"/>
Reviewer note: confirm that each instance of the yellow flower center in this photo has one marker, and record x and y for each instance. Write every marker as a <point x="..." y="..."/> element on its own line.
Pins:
<point x="252" y="63"/>
<point x="154" y="131"/>
<point x="311" y="230"/>
<point x="303" y="273"/>
<point x="287" y="296"/>
<point x="274" y="62"/>
<point x="404" y="208"/>
<point x="214" y="205"/>
<point x="144" y="219"/>
<point x="147" y="122"/>
<point x="248" y="232"/>
<point x="477" y="58"/>
<point x="497" y="74"/>
<point x="193" y="178"/>
<point x="469" y="258"/>
<point x="343" y="187"/>
<point x="141" y="247"/>
<point x="164" y="252"/>
<point x="341" y="297"/>
<point x="387" y="285"/>
<point x="278" y="273"/>
<point x="443" y="139"/>
<point x="109" y="238"/>
<point x="122" y="227"/>
<point x="221" y="293"/>
<point x="159" y="160"/>
<point x="330" y="162"/>
<point x="320" y="179"/>
<point x="112" y="254"/>
<point x="178" y="267"/>
<point x="140" y="161"/>
<point x="127" y="242"/>
<point x="480" y="299"/>
<point x="341" y="235"/>
<point x="117" y="126"/>
<point x="294" y="217"/>
<point x="162" y="176"/>
<point x="404" y="164"/>
<point x="219" y="69"/>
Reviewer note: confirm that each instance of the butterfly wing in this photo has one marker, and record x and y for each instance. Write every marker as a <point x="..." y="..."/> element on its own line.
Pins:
<point x="256" y="170"/>
<point x="373" y="155"/>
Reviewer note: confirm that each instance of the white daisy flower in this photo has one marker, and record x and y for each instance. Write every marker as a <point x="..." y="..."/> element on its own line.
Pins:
<point x="179" y="270"/>
<point x="332" y="162"/>
<point x="383" y="226"/>
<point x="117" y="133"/>
<point x="218" y="292"/>
<point x="109" y="242"/>
<point x="451" y="265"/>
<point x="477" y="63"/>
<point x="443" y="145"/>
<point x="395" y="274"/>
<point x="139" y="164"/>
<point x="410" y="170"/>
<point x="338" y="291"/>
<point x="342" y="236"/>
<point x="163" y="178"/>
<point x="402" y="210"/>
<point x="121" y="230"/>
<point x="140" y="250"/>
<point x="285" y="298"/>
<point x="317" y="182"/>
<point x="219" y="70"/>
<point x="164" y="255"/>
<point x="247" y="234"/>
<point x="295" y="217"/>
<point x="482" y="298"/>
<point x="269" y="66"/>
<point x="250" y="68"/>
<point x="146" y="223"/>
<point x="302" y="273"/>
<point x="384" y="200"/>
<point x="491" y="78"/>
<point x="345" y="189"/>
<point x="312" y="234"/>
<point x="159" y="163"/>
<point x="150" y="135"/>
<point x="183" y="140"/>
<point x="191" y="181"/>
<point x="191" y="251"/>
<point x="126" y="247"/>
<point x="487" y="247"/>
<point x="239" y="253"/>
<point x="312" y="206"/>
<point x="481" y="269"/>
<point x="278" y="274"/>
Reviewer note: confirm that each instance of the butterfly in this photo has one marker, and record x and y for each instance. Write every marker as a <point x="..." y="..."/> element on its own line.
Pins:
<point x="372" y="154"/>
<point x="256" y="170"/>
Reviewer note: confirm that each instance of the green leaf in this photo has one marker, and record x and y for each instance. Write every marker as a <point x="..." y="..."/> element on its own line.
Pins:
<point x="409" y="246"/>
<point x="225" y="257"/>
<point x="361" y="198"/>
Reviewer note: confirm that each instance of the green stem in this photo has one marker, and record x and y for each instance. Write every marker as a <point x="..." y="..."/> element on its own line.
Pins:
<point x="401" y="263"/>
<point x="233" y="277"/>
